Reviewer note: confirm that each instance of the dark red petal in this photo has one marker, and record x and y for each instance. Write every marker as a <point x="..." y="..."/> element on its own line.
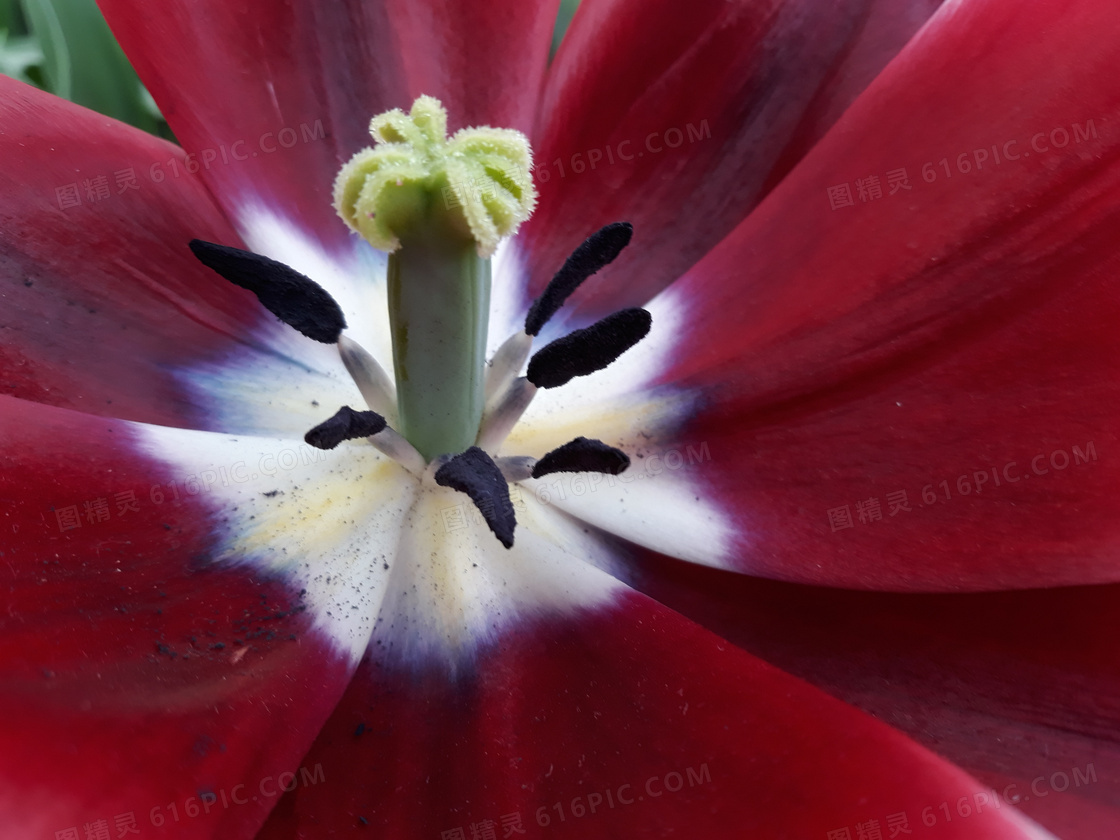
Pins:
<point x="1019" y="688"/>
<point x="956" y="342"/>
<point x="102" y="301"/>
<point x="728" y="95"/>
<point x="273" y="99"/>
<point x="136" y="677"/>
<point x="686" y="734"/>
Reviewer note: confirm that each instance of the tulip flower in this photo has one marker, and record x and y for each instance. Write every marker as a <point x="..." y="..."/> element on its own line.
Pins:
<point x="746" y="472"/>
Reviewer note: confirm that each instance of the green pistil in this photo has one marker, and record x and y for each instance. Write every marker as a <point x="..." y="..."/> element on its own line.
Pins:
<point x="439" y="206"/>
<point x="439" y="303"/>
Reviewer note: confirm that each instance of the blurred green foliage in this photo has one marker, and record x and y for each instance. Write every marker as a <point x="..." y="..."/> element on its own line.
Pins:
<point x="8" y="11"/>
<point x="65" y="47"/>
<point x="83" y="62"/>
<point x="563" y="21"/>
<point x="20" y="54"/>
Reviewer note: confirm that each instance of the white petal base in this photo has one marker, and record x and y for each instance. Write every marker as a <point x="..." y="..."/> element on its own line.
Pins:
<point x="404" y="568"/>
<point x="457" y="589"/>
<point x="659" y="502"/>
<point x="330" y="522"/>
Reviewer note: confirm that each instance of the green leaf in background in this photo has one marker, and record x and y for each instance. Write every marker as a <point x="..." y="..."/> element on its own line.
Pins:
<point x="9" y="16"/>
<point x="82" y="61"/>
<point x="18" y="55"/>
<point x="19" y="52"/>
<point x="563" y="20"/>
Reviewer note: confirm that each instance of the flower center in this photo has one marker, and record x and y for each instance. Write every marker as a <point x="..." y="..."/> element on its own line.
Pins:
<point x="440" y="206"/>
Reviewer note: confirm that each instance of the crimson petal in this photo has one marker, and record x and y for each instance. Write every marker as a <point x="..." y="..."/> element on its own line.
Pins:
<point x="272" y="99"/>
<point x="625" y="722"/>
<point x="680" y="117"/>
<point x="1019" y="688"/>
<point x="918" y="391"/>
<point x="139" y="680"/>
<point x="102" y="298"/>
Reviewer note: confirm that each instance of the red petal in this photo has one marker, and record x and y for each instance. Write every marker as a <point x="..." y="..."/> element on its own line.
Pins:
<point x="233" y="79"/>
<point x="1019" y="688"/>
<point x="680" y="117"/>
<point x="937" y="342"/>
<point x="137" y="678"/>
<point x="104" y="300"/>
<point x="685" y="733"/>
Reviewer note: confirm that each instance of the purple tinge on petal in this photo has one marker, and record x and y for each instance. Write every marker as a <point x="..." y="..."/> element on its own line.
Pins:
<point x="102" y="299"/>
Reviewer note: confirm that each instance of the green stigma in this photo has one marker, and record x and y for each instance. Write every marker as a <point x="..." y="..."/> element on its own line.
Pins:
<point x="476" y="184"/>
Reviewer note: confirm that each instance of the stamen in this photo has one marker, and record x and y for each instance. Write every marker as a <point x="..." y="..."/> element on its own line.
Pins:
<point x="596" y="252"/>
<point x="503" y="415"/>
<point x="377" y="388"/>
<point x="582" y="455"/>
<point x="516" y="467"/>
<point x="346" y="424"/>
<point x="588" y="350"/>
<point x="393" y="444"/>
<point x="474" y="473"/>
<point x="295" y="299"/>
<point x="506" y="364"/>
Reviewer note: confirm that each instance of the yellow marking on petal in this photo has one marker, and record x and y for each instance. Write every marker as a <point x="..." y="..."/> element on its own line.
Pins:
<point x="455" y="589"/>
<point x="620" y="422"/>
<point x="315" y="517"/>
